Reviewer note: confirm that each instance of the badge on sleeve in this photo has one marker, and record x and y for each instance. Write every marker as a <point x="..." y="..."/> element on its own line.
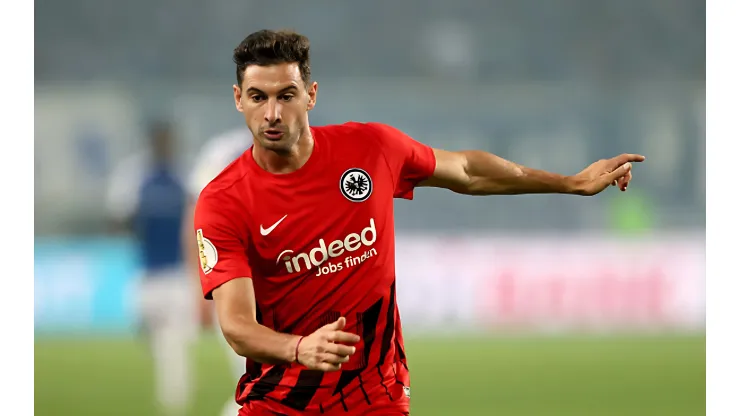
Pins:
<point x="207" y="252"/>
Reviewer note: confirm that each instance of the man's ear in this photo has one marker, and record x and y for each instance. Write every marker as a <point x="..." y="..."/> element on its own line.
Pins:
<point x="312" y="93"/>
<point x="238" y="98"/>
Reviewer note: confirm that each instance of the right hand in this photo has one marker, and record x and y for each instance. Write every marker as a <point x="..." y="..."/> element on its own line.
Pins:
<point x="325" y="349"/>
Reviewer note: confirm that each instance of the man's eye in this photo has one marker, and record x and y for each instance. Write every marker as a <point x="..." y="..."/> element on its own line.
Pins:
<point x="287" y="97"/>
<point x="257" y="98"/>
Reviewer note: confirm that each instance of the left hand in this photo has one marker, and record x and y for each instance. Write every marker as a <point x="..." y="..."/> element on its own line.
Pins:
<point x="616" y="171"/>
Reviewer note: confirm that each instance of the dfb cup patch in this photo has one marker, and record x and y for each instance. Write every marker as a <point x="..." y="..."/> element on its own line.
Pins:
<point x="356" y="185"/>
<point x="207" y="252"/>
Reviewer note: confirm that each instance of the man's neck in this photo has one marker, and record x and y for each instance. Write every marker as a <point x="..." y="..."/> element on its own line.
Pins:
<point x="282" y="163"/>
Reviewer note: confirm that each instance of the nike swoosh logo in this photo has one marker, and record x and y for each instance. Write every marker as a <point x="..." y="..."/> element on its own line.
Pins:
<point x="267" y="231"/>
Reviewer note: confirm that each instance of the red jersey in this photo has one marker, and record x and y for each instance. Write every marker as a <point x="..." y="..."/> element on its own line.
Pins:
<point x="318" y="243"/>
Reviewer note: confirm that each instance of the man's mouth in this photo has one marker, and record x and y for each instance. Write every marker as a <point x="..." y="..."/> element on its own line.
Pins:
<point x="273" y="134"/>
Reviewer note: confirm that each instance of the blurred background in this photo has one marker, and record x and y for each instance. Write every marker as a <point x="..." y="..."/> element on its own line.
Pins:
<point x="526" y="305"/>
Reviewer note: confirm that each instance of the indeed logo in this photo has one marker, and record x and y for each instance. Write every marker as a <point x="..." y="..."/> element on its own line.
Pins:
<point x="296" y="263"/>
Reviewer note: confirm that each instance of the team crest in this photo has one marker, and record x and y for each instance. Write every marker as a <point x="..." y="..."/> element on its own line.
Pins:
<point x="356" y="185"/>
<point x="207" y="252"/>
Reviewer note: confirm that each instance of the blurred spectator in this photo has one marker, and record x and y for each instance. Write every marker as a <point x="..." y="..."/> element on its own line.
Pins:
<point x="147" y="197"/>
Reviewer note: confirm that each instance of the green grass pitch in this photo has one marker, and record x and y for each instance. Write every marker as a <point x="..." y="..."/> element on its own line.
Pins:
<point x="549" y="376"/>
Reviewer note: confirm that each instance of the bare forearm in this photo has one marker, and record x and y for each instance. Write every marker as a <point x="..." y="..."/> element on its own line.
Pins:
<point x="259" y="343"/>
<point x="489" y="174"/>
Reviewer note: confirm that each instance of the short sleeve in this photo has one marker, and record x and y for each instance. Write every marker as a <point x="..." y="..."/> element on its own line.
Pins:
<point x="222" y="248"/>
<point x="410" y="161"/>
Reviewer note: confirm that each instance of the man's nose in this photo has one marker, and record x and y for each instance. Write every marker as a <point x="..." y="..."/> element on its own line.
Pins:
<point x="272" y="112"/>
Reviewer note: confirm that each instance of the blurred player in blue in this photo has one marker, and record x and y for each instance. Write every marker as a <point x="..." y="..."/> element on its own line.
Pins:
<point x="147" y="197"/>
<point x="215" y="155"/>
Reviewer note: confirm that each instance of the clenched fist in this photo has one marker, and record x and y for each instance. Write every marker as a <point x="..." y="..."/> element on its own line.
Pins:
<point x="326" y="349"/>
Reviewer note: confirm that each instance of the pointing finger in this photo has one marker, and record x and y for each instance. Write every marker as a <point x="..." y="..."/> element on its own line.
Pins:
<point x="625" y="158"/>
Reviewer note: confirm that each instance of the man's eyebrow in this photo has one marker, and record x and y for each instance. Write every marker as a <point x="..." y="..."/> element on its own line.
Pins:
<point x="259" y="91"/>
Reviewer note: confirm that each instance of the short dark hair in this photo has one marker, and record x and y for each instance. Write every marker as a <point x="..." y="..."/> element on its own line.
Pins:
<point x="269" y="47"/>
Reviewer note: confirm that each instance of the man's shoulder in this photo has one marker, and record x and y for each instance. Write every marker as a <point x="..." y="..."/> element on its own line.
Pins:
<point x="354" y="133"/>
<point x="368" y="127"/>
<point x="223" y="201"/>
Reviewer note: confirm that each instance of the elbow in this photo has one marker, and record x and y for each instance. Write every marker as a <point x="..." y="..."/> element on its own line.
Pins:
<point x="233" y="340"/>
<point x="236" y="335"/>
<point x="474" y="188"/>
<point x="487" y="174"/>
<point x="244" y="339"/>
<point x="238" y="347"/>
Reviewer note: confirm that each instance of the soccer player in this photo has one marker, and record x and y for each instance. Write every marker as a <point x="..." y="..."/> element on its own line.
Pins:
<point x="296" y="238"/>
<point x="212" y="158"/>
<point x="147" y="197"/>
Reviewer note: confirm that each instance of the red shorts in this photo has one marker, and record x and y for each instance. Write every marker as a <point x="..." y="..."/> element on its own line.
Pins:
<point x="248" y="410"/>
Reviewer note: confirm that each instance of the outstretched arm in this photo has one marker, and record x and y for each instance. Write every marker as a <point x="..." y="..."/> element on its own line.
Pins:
<point x="475" y="172"/>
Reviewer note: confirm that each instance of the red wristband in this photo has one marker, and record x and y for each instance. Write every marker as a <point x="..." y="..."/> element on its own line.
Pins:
<point x="296" y="349"/>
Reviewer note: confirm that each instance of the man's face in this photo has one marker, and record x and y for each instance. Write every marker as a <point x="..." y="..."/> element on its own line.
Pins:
<point x="275" y="103"/>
